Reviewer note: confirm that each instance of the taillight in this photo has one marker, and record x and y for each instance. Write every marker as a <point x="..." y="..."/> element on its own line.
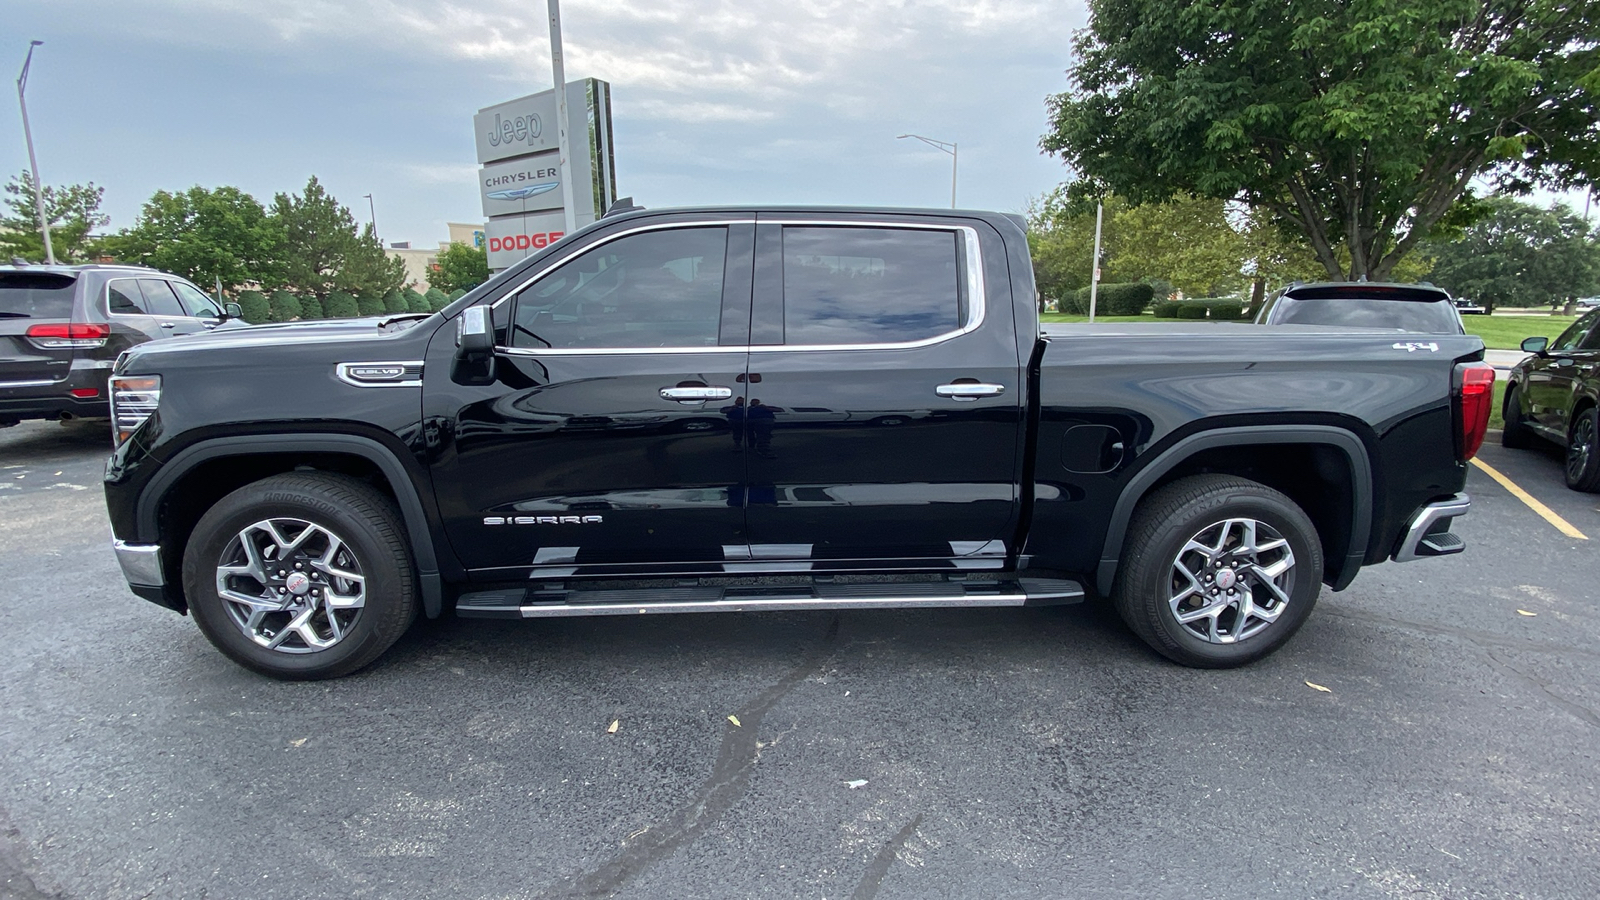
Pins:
<point x="1474" y="400"/>
<point x="66" y="336"/>
<point x="133" y="399"/>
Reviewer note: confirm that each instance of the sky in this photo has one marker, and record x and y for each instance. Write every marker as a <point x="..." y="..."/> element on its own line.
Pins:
<point x="713" y="101"/>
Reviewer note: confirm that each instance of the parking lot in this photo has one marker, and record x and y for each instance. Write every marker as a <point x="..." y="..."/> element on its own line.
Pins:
<point x="978" y="753"/>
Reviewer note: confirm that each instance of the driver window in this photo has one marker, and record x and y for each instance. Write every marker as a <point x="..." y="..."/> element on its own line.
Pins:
<point x="195" y="302"/>
<point x="1591" y="322"/>
<point x="1569" y="339"/>
<point x="656" y="289"/>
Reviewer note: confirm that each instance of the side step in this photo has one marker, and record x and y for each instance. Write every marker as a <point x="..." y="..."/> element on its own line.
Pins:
<point x="538" y="603"/>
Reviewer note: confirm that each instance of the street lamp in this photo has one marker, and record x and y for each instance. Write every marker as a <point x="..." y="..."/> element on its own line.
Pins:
<point x="374" y="211"/>
<point x="33" y="161"/>
<point x="949" y="148"/>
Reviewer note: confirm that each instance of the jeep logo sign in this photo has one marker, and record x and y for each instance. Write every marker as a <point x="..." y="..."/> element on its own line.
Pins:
<point x="522" y="128"/>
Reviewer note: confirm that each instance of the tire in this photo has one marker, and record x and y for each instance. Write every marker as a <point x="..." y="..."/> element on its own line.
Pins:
<point x="1582" y="467"/>
<point x="1150" y="594"/>
<point x="1515" y="434"/>
<point x="349" y="591"/>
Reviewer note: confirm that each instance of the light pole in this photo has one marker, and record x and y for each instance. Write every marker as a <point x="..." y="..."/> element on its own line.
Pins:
<point x="947" y="147"/>
<point x="371" y="208"/>
<point x="563" y="142"/>
<point x="1094" y="276"/>
<point x="33" y="161"/>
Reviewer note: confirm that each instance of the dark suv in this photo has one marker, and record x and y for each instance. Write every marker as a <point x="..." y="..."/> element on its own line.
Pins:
<point x="1411" y="307"/>
<point x="1555" y="394"/>
<point x="61" y="328"/>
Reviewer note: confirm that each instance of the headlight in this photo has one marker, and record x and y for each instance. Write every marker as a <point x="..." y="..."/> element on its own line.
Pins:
<point x="133" y="399"/>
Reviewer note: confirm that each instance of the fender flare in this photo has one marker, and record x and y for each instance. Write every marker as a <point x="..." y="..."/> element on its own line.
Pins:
<point x="405" y="490"/>
<point x="1356" y="457"/>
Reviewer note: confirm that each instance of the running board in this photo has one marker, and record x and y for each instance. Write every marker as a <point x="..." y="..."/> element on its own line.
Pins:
<point x="533" y="603"/>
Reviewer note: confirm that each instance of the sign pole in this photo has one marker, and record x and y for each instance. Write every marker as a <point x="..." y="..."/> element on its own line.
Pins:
<point x="1094" y="277"/>
<point x="558" y="71"/>
<point x="33" y="161"/>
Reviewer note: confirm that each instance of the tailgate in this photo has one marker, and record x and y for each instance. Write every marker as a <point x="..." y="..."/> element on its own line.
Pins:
<point x="28" y="299"/>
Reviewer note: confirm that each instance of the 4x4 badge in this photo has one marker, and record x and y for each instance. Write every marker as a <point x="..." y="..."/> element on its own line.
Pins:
<point x="543" y="520"/>
<point x="1414" y="346"/>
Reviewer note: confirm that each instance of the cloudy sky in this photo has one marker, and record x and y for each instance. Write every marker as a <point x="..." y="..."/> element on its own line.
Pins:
<point x="713" y="101"/>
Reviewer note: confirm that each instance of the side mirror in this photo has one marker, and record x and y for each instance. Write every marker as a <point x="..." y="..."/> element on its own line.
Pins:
<point x="232" y="311"/>
<point x="474" y="358"/>
<point x="1535" y="345"/>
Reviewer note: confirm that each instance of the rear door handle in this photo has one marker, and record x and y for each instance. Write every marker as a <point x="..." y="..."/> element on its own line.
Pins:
<point x="969" y="390"/>
<point x="169" y="324"/>
<point x="696" y="394"/>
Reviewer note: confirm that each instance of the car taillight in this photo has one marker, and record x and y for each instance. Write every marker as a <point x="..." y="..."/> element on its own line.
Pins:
<point x="65" y="336"/>
<point x="1474" y="399"/>
<point x="133" y="399"/>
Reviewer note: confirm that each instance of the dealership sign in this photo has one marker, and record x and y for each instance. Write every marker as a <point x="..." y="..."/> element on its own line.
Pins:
<point x="520" y="179"/>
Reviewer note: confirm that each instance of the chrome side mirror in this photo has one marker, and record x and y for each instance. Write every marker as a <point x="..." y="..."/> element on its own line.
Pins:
<point x="474" y="358"/>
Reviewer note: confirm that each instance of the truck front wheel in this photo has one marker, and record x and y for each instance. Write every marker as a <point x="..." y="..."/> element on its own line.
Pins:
<point x="301" y="576"/>
<point x="1218" y="571"/>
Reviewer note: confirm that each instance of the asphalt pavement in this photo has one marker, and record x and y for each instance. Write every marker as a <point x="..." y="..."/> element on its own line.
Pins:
<point x="893" y="754"/>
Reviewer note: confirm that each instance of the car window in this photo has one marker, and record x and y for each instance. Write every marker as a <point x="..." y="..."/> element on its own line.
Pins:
<point x="124" y="299"/>
<point x="1573" y="337"/>
<point x="656" y="289"/>
<point x="196" y="302"/>
<point x="1435" y="317"/>
<point x="30" y="295"/>
<point x="845" y="285"/>
<point x="159" y="299"/>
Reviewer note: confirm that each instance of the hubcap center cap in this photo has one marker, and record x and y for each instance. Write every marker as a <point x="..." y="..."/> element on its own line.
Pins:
<point x="1226" y="578"/>
<point x="298" y="583"/>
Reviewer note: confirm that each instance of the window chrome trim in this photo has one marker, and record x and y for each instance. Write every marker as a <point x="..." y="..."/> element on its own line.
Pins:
<point x="153" y="276"/>
<point x="343" y="371"/>
<point x="977" y="299"/>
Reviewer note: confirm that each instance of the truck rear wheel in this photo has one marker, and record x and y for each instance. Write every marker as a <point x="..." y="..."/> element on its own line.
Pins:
<point x="301" y="576"/>
<point x="1218" y="571"/>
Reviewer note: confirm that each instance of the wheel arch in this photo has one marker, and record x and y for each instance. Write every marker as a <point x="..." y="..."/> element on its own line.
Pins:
<point x="202" y="473"/>
<point x="1198" y="449"/>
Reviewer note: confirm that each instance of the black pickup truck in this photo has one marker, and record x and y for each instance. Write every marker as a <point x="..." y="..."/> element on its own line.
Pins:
<point x="735" y="409"/>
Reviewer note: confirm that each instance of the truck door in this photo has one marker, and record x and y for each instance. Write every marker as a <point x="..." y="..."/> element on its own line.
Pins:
<point x="884" y="412"/>
<point x="605" y="444"/>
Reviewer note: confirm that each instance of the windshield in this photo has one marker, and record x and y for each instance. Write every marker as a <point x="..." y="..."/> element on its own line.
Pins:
<point x="35" y="295"/>
<point x="1437" y="317"/>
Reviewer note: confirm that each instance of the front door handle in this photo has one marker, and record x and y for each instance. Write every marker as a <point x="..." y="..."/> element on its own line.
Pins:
<point x="169" y="324"/>
<point x="969" y="390"/>
<point x="696" y="394"/>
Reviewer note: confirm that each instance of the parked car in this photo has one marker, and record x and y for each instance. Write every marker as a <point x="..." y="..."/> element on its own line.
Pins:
<point x="62" y="327"/>
<point x="1209" y="479"/>
<point x="1467" y="308"/>
<point x="1589" y="302"/>
<point x="1555" y="395"/>
<point x="1411" y="307"/>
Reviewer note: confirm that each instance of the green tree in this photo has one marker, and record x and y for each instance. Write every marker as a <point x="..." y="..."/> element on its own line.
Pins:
<point x="73" y="211"/>
<point x="285" y="306"/>
<point x="1360" y="124"/>
<point x="204" y="235"/>
<point x="437" y="299"/>
<point x="256" y="308"/>
<point x="415" y="302"/>
<point x="394" y="303"/>
<point x="1520" y="255"/>
<point x="459" y="267"/>
<point x="340" y="305"/>
<point x="324" y="251"/>
<point x="310" y="308"/>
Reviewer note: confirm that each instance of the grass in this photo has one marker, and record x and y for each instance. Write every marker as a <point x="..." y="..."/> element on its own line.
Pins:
<point x="1495" y="419"/>
<point x="1507" y="332"/>
<point x="1063" y="317"/>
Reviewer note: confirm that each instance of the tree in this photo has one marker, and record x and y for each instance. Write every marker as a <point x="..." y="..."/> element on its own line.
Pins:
<point x="437" y="299"/>
<point x="415" y="302"/>
<point x="204" y="235"/>
<point x="460" y="267"/>
<point x="340" y="305"/>
<point x="1520" y="255"/>
<point x="1360" y="124"/>
<point x="256" y="308"/>
<point x="323" y="251"/>
<point x="285" y="306"/>
<point x="73" y="211"/>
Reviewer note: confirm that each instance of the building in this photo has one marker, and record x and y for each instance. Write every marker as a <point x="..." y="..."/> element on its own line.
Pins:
<point x="420" y="260"/>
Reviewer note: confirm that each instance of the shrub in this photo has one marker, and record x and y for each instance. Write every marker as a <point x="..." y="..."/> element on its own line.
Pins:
<point x="1167" y="309"/>
<point x="394" y="303"/>
<point x="437" y="299"/>
<point x="310" y="307"/>
<point x="415" y="302"/>
<point x="254" y="307"/>
<point x="285" y="306"/>
<point x="1123" y="299"/>
<point x="369" y="305"/>
<point x="1075" y="303"/>
<point x="1227" y="309"/>
<point x="1191" y="310"/>
<point x="457" y="294"/>
<point x="340" y="305"/>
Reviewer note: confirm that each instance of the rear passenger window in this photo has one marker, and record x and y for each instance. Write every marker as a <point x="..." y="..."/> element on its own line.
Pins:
<point x="124" y="298"/>
<point x="846" y="285"/>
<point x="159" y="299"/>
<point x="656" y="289"/>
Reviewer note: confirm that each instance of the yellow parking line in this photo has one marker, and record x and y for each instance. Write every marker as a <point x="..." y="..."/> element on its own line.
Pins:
<point x="1562" y="525"/>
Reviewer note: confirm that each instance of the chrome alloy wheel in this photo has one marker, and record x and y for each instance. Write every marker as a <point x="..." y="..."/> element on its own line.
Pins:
<point x="1231" y="580"/>
<point x="290" y="585"/>
<point x="1580" y="447"/>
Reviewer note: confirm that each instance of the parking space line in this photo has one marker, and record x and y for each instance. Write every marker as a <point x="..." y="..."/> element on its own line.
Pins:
<point x="1548" y="514"/>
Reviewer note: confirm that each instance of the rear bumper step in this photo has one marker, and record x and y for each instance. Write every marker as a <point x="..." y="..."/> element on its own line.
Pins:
<point x="534" y="603"/>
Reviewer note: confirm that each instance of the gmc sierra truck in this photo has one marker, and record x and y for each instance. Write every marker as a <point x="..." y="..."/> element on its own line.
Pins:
<point x="733" y="409"/>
